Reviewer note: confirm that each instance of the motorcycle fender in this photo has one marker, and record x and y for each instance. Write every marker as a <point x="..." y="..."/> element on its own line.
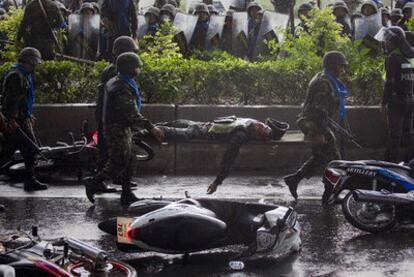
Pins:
<point x="122" y="224"/>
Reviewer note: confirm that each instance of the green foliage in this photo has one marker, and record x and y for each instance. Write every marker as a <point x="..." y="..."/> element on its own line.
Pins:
<point x="9" y="27"/>
<point x="216" y="77"/>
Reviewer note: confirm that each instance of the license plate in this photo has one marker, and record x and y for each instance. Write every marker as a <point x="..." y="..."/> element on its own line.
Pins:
<point x="122" y="224"/>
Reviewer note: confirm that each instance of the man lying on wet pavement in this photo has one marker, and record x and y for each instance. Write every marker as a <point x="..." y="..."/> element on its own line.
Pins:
<point x="232" y="130"/>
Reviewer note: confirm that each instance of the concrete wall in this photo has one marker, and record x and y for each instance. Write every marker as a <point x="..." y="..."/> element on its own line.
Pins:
<point x="368" y="124"/>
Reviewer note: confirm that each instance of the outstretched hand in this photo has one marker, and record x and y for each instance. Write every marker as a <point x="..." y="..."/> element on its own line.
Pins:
<point x="212" y="188"/>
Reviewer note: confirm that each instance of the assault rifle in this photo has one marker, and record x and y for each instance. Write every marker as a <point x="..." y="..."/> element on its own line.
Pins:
<point x="343" y="132"/>
<point x="27" y="140"/>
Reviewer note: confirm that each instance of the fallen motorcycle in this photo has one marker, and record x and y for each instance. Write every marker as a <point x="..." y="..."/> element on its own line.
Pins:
<point x="342" y="178"/>
<point x="28" y="255"/>
<point x="382" y="207"/>
<point x="192" y="225"/>
<point x="75" y="157"/>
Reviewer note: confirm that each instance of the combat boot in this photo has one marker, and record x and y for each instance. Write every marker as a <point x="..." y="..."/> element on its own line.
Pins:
<point x="127" y="196"/>
<point x="292" y="181"/>
<point x="33" y="184"/>
<point x="97" y="185"/>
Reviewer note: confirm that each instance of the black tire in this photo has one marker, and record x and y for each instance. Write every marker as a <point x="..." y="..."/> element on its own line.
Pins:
<point x="118" y="269"/>
<point x="354" y="220"/>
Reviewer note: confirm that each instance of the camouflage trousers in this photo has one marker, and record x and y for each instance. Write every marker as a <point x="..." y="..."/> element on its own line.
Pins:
<point x="322" y="154"/>
<point x="11" y="143"/>
<point x="121" y="160"/>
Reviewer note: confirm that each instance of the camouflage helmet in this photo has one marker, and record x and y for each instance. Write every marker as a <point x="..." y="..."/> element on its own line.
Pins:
<point x="252" y="5"/>
<point x="385" y="11"/>
<point x="201" y="8"/>
<point x="212" y="9"/>
<point x="154" y="11"/>
<point x="168" y="8"/>
<point x="334" y="58"/>
<point x="30" y="55"/>
<point x="393" y="33"/>
<point x="408" y="5"/>
<point x="124" y="44"/>
<point x="369" y="3"/>
<point x="3" y="12"/>
<point x="340" y="5"/>
<point x="396" y="13"/>
<point x="305" y="7"/>
<point x="278" y="128"/>
<point x="128" y="61"/>
<point x="87" y="6"/>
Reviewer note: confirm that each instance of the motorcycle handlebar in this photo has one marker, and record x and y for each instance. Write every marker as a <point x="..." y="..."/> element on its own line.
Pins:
<point x="86" y="250"/>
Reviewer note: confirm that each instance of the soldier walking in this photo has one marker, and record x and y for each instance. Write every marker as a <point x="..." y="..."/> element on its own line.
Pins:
<point x="17" y="107"/>
<point x="324" y="99"/>
<point x="120" y="118"/>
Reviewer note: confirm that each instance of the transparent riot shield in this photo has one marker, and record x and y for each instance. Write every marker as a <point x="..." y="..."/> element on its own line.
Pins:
<point x="83" y="37"/>
<point x="185" y="25"/>
<point x="214" y="32"/>
<point x="144" y="5"/>
<point x="367" y="26"/>
<point x="273" y="27"/>
<point x="240" y="42"/>
<point x="142" y="27"/>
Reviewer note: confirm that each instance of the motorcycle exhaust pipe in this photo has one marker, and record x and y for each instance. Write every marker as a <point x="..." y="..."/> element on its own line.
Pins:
<point x="88" y="251"/>
<point x="383" y="197"/>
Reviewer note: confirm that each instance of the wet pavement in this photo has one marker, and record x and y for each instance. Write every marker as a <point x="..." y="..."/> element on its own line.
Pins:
<point x="331" y="247"/>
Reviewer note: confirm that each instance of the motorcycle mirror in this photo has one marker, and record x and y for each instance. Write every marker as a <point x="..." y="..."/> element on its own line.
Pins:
<point x="236" y="265"/>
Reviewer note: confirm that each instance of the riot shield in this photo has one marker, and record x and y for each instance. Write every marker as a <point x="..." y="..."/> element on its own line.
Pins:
<point x="240" y="42"/>
<point x="142" y="27"/>
<point x="144" y="5"/>
<point x="83" y="36"/>
<point x="214" y="32"/>
<point x="185" y="25"/>
<point x="238" y="5"/>
<point x="221" y="5"/>
<point x="367" y="26"/>
<point x="273" y="27"/>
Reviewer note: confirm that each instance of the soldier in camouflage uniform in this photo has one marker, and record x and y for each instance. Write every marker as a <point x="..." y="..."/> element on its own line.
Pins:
<point x="34" y="29"/>
<point x="18" y="96"/>
<point x="324" y="100"/>
<point x="122" y="45"/>
<point x="120" y="118"/>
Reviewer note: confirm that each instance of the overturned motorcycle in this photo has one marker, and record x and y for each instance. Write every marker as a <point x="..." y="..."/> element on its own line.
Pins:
<point x="342" y="178"/>
<point x="192" y="225"/>
<point x="75" y="157"/>
<point x="381" y="208"/>
<point x="27" y="255"/>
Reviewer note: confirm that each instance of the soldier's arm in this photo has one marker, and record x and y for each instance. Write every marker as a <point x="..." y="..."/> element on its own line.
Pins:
<point x="322" y="99"/>
<point x="132" y="15"/>
<point x="13" y="96"/>
<point x="128" y="107"/>
<point x="392" y="66"/>
<point x="236" y="141"/>
<point x="57" y="20"/>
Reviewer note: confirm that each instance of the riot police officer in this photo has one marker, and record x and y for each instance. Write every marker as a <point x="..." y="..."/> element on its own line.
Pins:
<point x="17" y="106"/>
<point x="122" y="45"/>
<point x="120" y="118"/>
<point x="398" y="98"/>
<point x="198" y="40"/>
<point x="324" y="100"/>
<point x="152" y="17"/>
<point x="34" y="28"/>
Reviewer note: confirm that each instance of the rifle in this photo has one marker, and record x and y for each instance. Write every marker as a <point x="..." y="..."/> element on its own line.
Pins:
<point x="343" y="132"/>
<point x="74" y="59"/>
<point x="27" y="140"/>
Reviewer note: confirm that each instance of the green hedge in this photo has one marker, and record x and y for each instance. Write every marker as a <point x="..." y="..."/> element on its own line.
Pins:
<point x="216" y="77"/>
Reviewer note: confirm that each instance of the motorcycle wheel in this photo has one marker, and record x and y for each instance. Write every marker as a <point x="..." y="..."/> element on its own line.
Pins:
<point x="113" y="269"/>
<point x="358" y="214"/>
